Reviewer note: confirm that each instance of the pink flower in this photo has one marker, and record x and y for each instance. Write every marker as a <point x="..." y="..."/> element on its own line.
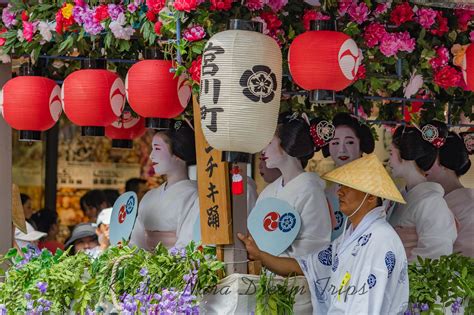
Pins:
<point x="382" y="8"/>
<point x="426" y="17"/>
<point x="442" y="25"/>
<point x="312" y="15"/>
<point x="359" y="13"/>
<point x="401" y="14"/>
<point x="29" y="30"/>
<point x="80" y="3"/>
<point x="441" y="59"/>
<point x="157" y="27"/>
<point x="447" y="77"/>
<point x="471" y="36"/>
<point x="185" y="5"/>
<point x="194" y="33"/>
<point x="344" y="6"/>
<point x="155" y="6"/>
<point x="3" y="40"/>
<point x="277" y="5"/>
<point x="132" y="7"/>
<point x="405" y="42"/>
<point x="373" y="34"/>
<point x="8" y="17"/>
<point x="464" y="17"/>
<point x="272" y="20"/>
<point x="221" y="5"/>
<point x="389" y="45"/>
<point x="195" y="70"/>
<point x="255" y="5"/>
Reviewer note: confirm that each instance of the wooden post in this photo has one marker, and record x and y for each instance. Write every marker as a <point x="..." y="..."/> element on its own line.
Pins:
<point x="213" y="186"/>
<point x="6" y="171"/>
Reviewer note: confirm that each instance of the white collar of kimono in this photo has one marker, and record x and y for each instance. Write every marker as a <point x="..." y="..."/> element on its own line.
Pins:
<point x="374" y="215"/>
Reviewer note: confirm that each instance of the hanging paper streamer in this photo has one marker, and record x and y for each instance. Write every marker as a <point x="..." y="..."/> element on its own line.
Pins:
<point x="237" y="181"/>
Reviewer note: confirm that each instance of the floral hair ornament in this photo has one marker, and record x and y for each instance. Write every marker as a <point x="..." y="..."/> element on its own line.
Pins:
<point x="322" y="133"/>
<point x="431" y="134"/>
<point x="468" y="138"/>
<point x="177" y="125"/>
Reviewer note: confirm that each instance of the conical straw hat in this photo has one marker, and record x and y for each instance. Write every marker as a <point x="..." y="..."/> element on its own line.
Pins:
<point x="18" y="216"/>
<point x="368" y="175"/>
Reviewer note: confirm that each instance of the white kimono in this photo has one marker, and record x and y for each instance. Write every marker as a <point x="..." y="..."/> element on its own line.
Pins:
<point x="364" y="273"/>
<point x="427" y="211"/>
<point x="461" y="203"/>
<point x="305" y="193"/>
<point x="167" y="215"/>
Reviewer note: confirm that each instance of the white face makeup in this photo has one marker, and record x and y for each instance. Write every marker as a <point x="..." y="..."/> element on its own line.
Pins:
<point x="396" y="162"/>
<point x="161" y="155"/>
<point x="273" y="153"/>
<point x="345" y="146"/>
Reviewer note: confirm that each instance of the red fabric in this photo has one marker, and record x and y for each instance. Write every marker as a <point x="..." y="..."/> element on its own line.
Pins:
<point x="31" y="103"/>
<point x="52" y="246"/>
<point x="93" y="97"/>
<point x="126" y="128"/>
<point x="154" y="92"/>
<point x="323" y="60"/>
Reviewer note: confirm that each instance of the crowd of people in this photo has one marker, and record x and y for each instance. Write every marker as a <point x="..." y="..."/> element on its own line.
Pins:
<point x="91" y="236"/>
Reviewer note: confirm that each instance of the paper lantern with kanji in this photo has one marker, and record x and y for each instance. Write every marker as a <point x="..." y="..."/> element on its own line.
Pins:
<point x="126" y="128"/>
<point x="154" y="92"/>
<point x="468" y="67"/>
<point x="93" y="99"/>
<point x="31" y="104"/>
<point x="241" y="76"/>
<point x="323" y="60"/>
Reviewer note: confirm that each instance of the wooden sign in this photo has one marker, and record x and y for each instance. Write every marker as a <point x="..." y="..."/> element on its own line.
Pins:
<point x="213" y="186"/>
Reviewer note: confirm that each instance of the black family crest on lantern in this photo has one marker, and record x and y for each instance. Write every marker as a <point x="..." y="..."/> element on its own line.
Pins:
<point x="259" y="84"/>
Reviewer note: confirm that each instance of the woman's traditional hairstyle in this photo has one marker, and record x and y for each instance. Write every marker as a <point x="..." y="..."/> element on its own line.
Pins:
<point x="366" y="139"/>
<point x="180" y="137"/>
<point x="300" y="137"/>
<point x="409" y="141"/>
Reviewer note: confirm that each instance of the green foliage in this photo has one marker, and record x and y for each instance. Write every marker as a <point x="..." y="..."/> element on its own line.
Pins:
<point x="89" y="282"/>
<point x="439" y="282"/>
<point x="275" y="299"/>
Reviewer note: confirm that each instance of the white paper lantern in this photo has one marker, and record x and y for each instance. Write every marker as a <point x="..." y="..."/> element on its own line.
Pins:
<point x="240" y="90"/>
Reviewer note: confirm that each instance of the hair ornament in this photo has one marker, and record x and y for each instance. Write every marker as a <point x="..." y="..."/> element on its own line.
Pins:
<point x="469" y="142"/>
<point x="322" y="133"/>
<point x="430" y="133"/>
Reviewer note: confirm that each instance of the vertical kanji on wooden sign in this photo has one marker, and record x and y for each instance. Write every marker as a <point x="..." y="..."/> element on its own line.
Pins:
<point x="213" y="185"/>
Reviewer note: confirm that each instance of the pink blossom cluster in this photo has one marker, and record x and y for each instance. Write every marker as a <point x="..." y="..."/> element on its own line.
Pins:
<point x="194" y="33"/>
<point x="392" y="43"/>
<point x="358" y="12"/>
<point x="426" y="17"/>
<point x="441" y="59"/>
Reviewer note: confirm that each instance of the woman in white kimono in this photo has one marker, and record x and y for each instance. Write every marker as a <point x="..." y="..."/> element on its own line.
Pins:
<point x="351" y="140"/>
<point x="365" y="270"/>
<point x="168" y="213"/>
<point x="289" y="151"/>
<point x="453" y="162"/>
<point x="426" y="210"/>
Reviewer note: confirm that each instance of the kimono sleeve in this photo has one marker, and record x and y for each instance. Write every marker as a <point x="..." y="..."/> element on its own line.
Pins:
<point x="186" y="222"/>
<point x="315" y="232"/>
<point x="317" y="270"/>
<point x="138" y="237"/>
<point x="436" y="229"/>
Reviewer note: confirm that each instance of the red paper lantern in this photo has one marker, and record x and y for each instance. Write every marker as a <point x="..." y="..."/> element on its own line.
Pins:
<point x="323" y="60"/>
<point x="93" y="99"/>
<point x="154" y="92"/>
<point x="125" y="129"/>
<point x="468" y="67"/>
<point x="31" y="104"/>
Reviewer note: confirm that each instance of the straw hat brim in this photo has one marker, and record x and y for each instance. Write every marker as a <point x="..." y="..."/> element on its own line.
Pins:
<point x="368" y="175"/>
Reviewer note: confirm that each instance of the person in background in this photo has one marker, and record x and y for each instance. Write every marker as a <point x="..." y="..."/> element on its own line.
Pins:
<point x="102" y="230"/>
<point x="411" y="156"/>
<point x="30" y="239"/>
<point x="27" y="208"/>
<point x="47" y="222"/>
<point x="111" y="195"/>
<point x="92" y="203"/>
<point x="137" y="185"/>
<point x="83" y="238"/>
